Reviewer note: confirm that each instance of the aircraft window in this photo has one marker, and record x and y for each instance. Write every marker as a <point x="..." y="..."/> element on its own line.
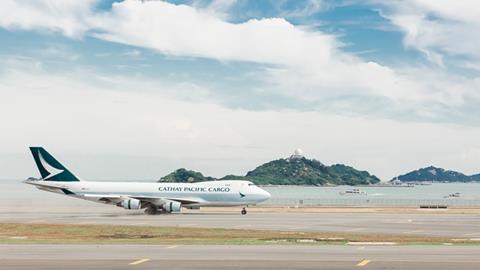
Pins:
<point x="251" y="184"/>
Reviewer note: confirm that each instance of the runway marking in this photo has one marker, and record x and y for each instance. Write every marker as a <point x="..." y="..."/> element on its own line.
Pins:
<point x="242" y="226"/>
<point x="139" y="261"/>
<point x="363" y="262"/>
<point x="36" y="221"/>
<point x="172" y="246"/>
<point x="414" y="231"/>
<point x="371" y="243"/>
<point x="355" y="229"/>
<point x="84" y="222"/>
<point x="471" y="234"/>
<point x="297" y="228"/>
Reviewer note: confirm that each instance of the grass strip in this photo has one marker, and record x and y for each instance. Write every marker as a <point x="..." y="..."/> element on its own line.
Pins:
<point x="14" y="233"/>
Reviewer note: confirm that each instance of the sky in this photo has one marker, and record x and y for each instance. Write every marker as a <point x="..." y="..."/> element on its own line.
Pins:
<point x="136" y="89"/>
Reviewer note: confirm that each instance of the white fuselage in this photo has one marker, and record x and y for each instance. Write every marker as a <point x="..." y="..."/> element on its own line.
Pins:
<point x="210" y="193"/>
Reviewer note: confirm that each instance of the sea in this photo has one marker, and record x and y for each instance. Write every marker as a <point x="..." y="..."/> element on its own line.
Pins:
<point x="14" y="193"/>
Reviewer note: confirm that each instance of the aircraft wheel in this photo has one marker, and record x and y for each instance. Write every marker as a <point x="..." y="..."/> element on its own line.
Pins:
<point x="151" y="210"/>
<point x="244" y="211"/>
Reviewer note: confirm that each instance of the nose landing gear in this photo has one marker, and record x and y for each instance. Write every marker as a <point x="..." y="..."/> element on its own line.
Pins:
<point x="244" y="211"/>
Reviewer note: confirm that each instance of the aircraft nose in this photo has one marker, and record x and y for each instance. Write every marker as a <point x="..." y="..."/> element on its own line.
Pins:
<point x="266" y="195"/>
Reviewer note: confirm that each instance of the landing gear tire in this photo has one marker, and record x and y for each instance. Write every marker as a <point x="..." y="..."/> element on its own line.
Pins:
<point x="244" y="211"/>
<point x="151" y="210"/>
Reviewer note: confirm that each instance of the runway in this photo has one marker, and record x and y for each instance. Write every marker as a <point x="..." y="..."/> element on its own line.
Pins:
<point x="445" y="225"/>
<point x="237" y="257"/>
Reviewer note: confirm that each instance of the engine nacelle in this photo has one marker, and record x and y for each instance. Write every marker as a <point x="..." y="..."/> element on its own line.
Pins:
<point x="172" y="206"/>
<point x="131" y="204"/>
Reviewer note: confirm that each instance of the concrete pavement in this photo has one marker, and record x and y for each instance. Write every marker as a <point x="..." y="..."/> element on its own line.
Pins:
<point x="443" y="224"/>
<point x="237" y="257"/>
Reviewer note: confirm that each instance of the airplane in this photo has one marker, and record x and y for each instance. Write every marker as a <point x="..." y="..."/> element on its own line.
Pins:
<point x="155" y="198"/>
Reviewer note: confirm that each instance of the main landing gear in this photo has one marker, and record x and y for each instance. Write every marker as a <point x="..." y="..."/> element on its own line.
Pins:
<point x="151" y="210"/>
<point x="244" y="211"/>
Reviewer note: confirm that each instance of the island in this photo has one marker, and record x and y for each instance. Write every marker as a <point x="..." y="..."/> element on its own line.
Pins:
<point x="435" y="174"/>
<point x="295" y="170"/>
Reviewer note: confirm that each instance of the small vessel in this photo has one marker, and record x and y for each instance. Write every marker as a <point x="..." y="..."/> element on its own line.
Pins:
<point x="354" y="191"/>
<point x="453" y="195"/>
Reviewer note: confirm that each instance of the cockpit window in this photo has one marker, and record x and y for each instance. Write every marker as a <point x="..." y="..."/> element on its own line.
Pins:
<point x="251" y="184"/>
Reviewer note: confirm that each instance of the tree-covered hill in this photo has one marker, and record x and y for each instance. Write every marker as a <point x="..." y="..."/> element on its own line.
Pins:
<point x="185" y="176"/>
<point x="303" y="171"/>
<point x="434" y="174"/>
<point x="475" y="177"/>
<point x="288" y="171"/>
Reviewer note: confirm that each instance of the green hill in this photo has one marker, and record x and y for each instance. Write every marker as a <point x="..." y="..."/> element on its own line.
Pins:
<point x="434" y="174"/>
<point x="303" y="171"/>
<point x="289" y="171"/>
<point x="185" y="176"/>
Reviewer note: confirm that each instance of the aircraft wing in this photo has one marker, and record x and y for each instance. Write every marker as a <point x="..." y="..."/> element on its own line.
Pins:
<point x="116" y="198"/>
<point x="113" y="198"/>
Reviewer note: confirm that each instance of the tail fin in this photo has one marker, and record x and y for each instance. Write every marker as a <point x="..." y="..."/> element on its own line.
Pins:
<point x="50" y="168"/>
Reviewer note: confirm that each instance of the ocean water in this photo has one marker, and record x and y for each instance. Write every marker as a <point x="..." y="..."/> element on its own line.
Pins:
<point x="15" y="194"/>
<point x="388" y="196"/>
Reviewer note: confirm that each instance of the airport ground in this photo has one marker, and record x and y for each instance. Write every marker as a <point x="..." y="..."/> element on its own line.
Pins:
<point x="455" y="224"/>
<point x="74" y="257"/>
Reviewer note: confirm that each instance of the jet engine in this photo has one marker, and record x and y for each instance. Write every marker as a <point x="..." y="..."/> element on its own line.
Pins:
<point x="172" y="206"/>
<point x="131" y="204"/>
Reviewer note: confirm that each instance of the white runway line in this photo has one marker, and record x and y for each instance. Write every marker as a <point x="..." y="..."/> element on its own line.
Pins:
<point x="297" y="228"/>
<point x="189" y="225"/>
<point x="37" y="221"/>
<point x="414" y="231"/>
<point x="355" y="229"/>
<point x="242" y="226"/>
<point x="472" y="234"/>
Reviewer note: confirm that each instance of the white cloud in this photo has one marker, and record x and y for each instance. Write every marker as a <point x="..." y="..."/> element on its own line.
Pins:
<point x="303" y="64"/>
<point x="66" y="16"/>
<point x="437" y="28"/>
<point x="308" y="65"/>
<point x="307" y="8"/>
<point x="220" y="7"/>
<point x="183" y="30"/>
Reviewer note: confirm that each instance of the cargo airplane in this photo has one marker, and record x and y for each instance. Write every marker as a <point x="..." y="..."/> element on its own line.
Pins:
<point x="153" y="197"/>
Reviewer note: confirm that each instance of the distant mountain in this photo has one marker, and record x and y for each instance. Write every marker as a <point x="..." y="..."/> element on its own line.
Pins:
<point x="434" y="174"/>
<point x="185" y="176"/>
<point x="475" y="177"/>
<point x="296" y="170"/>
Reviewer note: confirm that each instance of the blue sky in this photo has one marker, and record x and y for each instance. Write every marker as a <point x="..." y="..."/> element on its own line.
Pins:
<point x="318" y="67"/>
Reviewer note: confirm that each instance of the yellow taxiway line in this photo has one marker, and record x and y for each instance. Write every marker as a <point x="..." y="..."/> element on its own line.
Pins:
<point x="363" y="262"/>
<point x="139" y="261"/>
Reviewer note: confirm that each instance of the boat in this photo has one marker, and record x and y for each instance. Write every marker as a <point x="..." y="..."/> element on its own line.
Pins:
<point x="452" y="195"/>
<point x="354" y="191"/>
